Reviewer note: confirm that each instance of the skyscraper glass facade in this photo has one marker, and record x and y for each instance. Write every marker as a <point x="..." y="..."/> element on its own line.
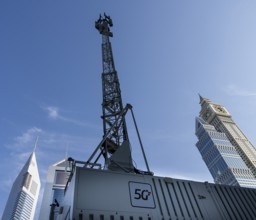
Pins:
<point x="57" y="178"/>
<point x="23" y="196"/>
<point x="228" y="154"/>
<point x="23" y="206"/>
<point x="224" y="163"/>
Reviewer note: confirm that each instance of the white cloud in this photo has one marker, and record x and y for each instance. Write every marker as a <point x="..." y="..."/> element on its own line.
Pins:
<point x="234" y="90"/>
<point x="28" y="136"/>
<point x="55" y="143"/>
<point x="75" y="122"/>
<point x="25" y="141"/>
<point x="23" y="156"/>
<point x="53" y="112"/>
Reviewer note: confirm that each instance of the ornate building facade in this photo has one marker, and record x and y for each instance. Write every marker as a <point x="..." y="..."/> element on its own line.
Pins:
<point x="228" y="154"/>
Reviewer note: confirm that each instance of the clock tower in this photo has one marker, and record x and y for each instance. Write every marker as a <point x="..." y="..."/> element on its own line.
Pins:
<point x="219" y="117"/>
<point x="211" y="110"/>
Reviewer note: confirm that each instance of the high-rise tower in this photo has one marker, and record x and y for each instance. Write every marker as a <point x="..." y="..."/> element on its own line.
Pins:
<point x="224" y="163"/>
<point x="221" y="121"/>
<point x="56" y="181"/>
<point x="23" y="197"/>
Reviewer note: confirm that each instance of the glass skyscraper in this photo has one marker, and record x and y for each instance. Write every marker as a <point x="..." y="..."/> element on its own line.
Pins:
<point x="23" y="197"/>
<point x="228" y="154"/>
<point x="57" y="178"/>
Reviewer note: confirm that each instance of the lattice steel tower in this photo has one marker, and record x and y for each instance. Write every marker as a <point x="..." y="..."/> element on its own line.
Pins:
<point x="113" y="113"/>
<point x="115" y="145"/>
<point x="112" y="105"/>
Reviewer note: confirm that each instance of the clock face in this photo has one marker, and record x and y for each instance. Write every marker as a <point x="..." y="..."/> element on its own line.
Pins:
<point x="219" y="109"/>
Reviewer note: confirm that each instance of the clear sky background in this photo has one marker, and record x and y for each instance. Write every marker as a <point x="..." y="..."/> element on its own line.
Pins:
<point x="166" y="52"/>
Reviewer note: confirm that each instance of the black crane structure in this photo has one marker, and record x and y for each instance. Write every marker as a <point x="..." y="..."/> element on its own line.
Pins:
<point x="115" y="134"/>
<point x="112" y="105"/>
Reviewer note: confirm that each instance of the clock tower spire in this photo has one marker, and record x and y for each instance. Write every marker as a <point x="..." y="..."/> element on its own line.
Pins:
<point x="218" y="116"/>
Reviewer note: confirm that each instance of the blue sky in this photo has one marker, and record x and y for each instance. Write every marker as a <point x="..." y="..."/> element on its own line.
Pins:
<point x="166" y="52"/>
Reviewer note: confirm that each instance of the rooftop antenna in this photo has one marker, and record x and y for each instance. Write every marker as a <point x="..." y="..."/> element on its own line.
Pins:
<point x="66" y="152"/>
<point x="35" y="146"/>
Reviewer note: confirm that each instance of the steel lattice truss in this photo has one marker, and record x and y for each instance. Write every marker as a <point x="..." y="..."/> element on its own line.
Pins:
<point x="115" y="145"/>
<point x="112" y="105"/>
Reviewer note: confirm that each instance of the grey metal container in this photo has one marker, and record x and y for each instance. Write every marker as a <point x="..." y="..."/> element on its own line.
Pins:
<point x="106" y="195"/>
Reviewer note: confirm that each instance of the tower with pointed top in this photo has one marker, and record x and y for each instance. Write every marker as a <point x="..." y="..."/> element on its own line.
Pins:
<point x="229" y="155"/>
<point x="23" y="196"/>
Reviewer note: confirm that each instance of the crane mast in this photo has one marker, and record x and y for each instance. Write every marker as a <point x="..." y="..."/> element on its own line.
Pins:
<point x="114" y="124"/>
<point x="115" y="145"/>
<point x="112" y="104"/>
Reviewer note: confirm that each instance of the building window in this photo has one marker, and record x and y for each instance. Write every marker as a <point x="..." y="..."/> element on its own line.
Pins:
<point x="33" y="188"/>
<point x="26" y="180"/>
<point x="61" y="177"/>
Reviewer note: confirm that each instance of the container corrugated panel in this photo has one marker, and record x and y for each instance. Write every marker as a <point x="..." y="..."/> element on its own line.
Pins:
<point x="106" y="195"/>
<point x="234" y="202"/>
<point x="176" y="199"/>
